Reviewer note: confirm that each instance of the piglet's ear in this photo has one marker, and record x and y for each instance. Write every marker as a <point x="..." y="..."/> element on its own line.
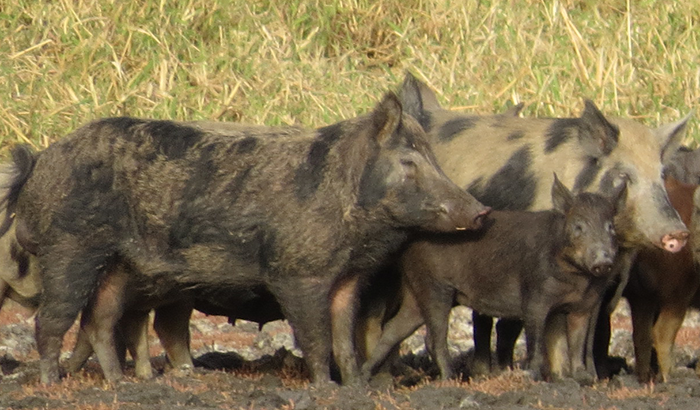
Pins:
<point x="386" y="118"/>
<point x="562" y="198"/>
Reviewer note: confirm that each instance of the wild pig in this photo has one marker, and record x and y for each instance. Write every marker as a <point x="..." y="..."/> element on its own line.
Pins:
<point x="507" y="162"/>
<point x="684" y="165"/>
<point x="662" y="287"/>
<point x="305" y="215"/>
<point x="527" y="265"/>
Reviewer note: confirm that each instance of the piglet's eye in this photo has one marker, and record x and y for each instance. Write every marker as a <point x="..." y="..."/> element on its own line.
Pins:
<point x="610" y="227"/>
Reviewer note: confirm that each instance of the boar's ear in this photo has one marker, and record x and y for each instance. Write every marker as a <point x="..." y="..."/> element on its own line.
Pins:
<point x="599" y="136"/>
<point x="386" y="118"/>
<point x="418" y="100"/>
<point x="670" y="136"/>
<point x="562" y="198"/>
<point x="513" y="110"/>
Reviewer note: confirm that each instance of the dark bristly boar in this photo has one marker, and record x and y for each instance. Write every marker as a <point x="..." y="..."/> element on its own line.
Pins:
<point x="305" y="215"/>
<point x="533" y="266"/>
<point x="507" y="162"/>
<point x="684" y="165"/>
<point x="662" y="287"/>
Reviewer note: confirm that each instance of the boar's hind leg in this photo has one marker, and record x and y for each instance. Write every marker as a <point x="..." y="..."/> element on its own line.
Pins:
<point x="305" y="305"/>
<point x="172" y="324"/>
<point x="399" y="327"/>
<point x="68" y="283"/>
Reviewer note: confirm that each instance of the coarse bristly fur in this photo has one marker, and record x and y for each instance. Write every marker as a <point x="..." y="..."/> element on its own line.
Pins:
<point x="302" y="213"/>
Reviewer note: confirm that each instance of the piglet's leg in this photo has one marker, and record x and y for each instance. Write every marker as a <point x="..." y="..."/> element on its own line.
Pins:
<point x="642" y="322"/>
<point x="399" y="327"/>
<point x="135" y="328"/>
<point x="435" y="303"/>
<point x="99" y="322"/>
<point x="483" y="325"/>
<point x="343" y="314"/>
<point x="577" y="326"/>
<point x="555" y="340"/>
<point x="172" y="324"/>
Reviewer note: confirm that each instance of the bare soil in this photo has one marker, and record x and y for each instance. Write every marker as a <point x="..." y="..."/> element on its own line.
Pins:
<point x="240" y="367"/>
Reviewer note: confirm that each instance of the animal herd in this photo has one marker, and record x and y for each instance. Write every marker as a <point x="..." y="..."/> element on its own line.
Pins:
<point x="358" y="233"/>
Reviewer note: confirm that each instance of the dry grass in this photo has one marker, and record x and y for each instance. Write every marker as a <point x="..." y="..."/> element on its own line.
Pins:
<point x="314" y="62"/>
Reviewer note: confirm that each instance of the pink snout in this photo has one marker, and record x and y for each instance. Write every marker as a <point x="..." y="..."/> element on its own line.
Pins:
<point x="674" y="242"/>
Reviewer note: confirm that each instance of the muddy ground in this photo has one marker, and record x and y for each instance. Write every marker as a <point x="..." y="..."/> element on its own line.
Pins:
<point x="240" y="367"/>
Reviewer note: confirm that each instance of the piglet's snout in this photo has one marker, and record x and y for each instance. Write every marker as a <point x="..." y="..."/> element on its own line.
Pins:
<point x="602" y="262"/>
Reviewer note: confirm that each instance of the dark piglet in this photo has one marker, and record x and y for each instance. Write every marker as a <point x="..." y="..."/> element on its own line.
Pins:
<point x="662" y="287"/>
<point x="305" y="215"/>
<point x="548" y="268"/>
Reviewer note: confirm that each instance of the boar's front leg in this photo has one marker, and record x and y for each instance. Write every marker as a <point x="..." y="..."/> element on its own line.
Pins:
<point x="305" y="304"/>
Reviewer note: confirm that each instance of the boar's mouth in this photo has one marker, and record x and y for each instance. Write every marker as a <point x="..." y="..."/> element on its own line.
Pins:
<point x="478" y="222"/>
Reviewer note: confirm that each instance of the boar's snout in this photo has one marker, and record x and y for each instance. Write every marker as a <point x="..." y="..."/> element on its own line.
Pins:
<point x="460" y="215"/>
<point x="674" y="242"/>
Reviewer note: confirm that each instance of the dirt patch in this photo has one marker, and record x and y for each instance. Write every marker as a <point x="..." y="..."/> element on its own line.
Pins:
<point x="240" y="367"/>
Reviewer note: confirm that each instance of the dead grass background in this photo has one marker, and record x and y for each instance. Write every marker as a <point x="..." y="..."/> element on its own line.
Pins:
<point x="314" y="62"/>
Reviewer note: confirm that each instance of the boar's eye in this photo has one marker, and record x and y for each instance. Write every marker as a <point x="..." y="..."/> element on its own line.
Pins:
<point x="622" y="177"/>
<point x="578" y="230"/>
<point x="409" y="167"/>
